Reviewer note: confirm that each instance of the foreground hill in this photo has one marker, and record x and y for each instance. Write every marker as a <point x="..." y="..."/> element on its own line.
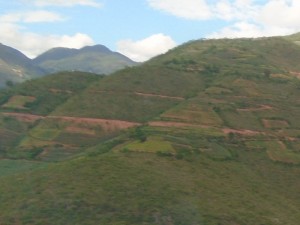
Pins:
<point x="294" y="38"/>
<point x="208" y="133"/>
<point x="16" y="67"/>
<point x="95" y="59"/>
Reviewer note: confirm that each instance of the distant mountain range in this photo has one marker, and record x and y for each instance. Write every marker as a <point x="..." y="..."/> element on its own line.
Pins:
<point x="95" y="59"/>
<point x="15" y="67"/>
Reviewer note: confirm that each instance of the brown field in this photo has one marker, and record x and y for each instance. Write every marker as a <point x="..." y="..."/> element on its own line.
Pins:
<point x="23" y="117"/>
<point x="173" y="124"/>
<point x="242" y="132"/>
<point x="107" y="125"/>
<point x="275" y="123"/>
<point x="260" y="108"/>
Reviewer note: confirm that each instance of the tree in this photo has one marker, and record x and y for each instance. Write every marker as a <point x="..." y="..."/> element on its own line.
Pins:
<point x="9" y="83"/>
<point x="140" y="134"/>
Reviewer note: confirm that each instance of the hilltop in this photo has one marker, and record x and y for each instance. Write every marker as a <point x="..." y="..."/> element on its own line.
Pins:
<point x="207" y="133"/>
<point x="95" y="59"/>
<point x="16" y="67"/>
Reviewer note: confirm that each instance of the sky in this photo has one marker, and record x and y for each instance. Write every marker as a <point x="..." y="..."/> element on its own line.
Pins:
<point x="139" y="29"/>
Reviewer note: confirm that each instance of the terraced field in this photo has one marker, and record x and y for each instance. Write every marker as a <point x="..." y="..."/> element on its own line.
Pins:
<point x="208" y="133"/>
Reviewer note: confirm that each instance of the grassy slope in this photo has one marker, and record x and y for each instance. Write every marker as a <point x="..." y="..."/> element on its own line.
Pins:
<point x="191" y="172"/>
<point x="137" y="188"/>
<point x="93" y="62"/>
<point x="115" y="96"/>
<point x="51" y="91"/>
<point x="43" y="95"/>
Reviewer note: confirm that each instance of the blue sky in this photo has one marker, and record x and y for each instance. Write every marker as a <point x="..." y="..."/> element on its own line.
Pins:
<point x="139" y="29"/>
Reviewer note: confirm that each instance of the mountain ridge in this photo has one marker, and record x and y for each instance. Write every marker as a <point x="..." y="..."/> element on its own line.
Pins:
<point x="206" y="134"/>
<point x="96" y="59"/>
<point x="16" y="67"/>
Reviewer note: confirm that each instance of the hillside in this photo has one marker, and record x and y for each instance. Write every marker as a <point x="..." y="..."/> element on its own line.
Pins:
<point x="95" y="59"/>
<point x="208" y="133"/>
<point x="16" y="67"/>
<point x="294" y="38"/>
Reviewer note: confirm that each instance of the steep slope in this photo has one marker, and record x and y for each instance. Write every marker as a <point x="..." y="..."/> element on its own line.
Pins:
<point x="95" y="59"/>
<point x="16" y="67"/>
<point x="208" y="133"/>
<point x="134" y="189"/>
<point x="294" y="38"/>
<point x="27" y="104"/>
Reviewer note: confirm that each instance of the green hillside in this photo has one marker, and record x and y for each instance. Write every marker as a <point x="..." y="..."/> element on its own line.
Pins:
<point x="206" y="134"/>
<point x="294" y="38"/>
<point x="134" y="189"/>
<point x="27" y="104"/>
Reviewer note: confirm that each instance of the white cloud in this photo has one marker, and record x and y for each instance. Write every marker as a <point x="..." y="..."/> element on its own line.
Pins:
<point x="241" y="29"/>
<point x="204" y="9"/>
<point x="31" y="17"/>
<point x="247" y="17"/>
<point x="275" y="17"/>
<point x="234" y="10"/>
<point x="280" y="13"/>
<point x="147" y="48"/>
<point x="188" y="9"/>
<point x="68" y="3"/>
<point x="14" y="28"/>
<point x="32" y="44"/>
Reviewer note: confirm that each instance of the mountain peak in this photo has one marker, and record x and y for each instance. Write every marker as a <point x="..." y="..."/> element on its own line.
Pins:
<point x="96" y="59"/>
<point x="96" y="48"/>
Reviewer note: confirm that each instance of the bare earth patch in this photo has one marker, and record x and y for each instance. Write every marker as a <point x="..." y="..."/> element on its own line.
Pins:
<point x="107" y="125"/>
<point x="159" y="96"/>
<point x="173" y="124"/>
<point x="56" y="91"/>
<point x="23" y="117"/>
<point x="275" y="123"/>
<point x="242" y="132"/>
<point x="261" y="108"/>
<point x="296" y="74"/>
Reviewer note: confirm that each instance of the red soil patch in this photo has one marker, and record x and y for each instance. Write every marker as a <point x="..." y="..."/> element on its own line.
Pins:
<point x="296" y="74"/>
<point x="275" y="123"/>
<point x="261" y="108"/>
<point x="55" y="91"/>
<point x="107" y="125"/>
<point x="173" y="124"/>
<point x="242" y="132"/>
<point x="24" y="117"/>
<point x="159" y="96"/>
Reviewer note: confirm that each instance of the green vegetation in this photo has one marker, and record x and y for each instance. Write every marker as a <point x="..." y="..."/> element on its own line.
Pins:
<point x="95" y="59"/>
<point x="130" y="188"/>
<point x="206" y="134"/>
<point x="18" y="102"/>
<point x="41" y="96"/>
<point x="152" y="144"/>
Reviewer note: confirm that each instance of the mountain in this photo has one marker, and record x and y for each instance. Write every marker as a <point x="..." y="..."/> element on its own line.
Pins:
<point x="208" y="133"/>
<point x="16" y="67"/>
<point x="294" y="38"/>
<point x="95" y="59"/>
